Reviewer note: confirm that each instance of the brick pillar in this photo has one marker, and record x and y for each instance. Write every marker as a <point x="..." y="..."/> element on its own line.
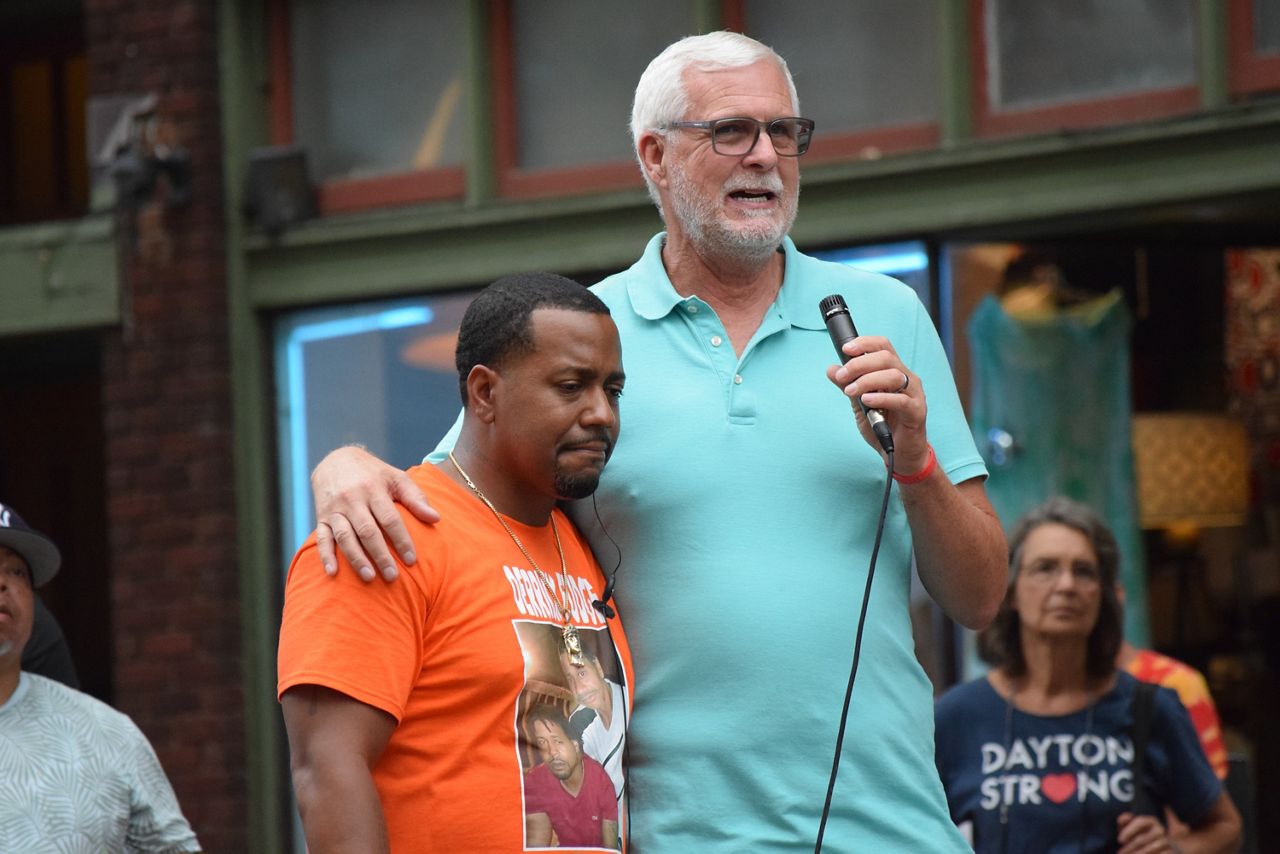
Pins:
<point x="168" y="429"/>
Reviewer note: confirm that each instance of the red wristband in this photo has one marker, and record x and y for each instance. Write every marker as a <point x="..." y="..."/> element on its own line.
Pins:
<point x="929" y="465"/>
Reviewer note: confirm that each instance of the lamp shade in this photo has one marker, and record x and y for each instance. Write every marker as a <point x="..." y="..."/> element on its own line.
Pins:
<point x="1192" y="469"/>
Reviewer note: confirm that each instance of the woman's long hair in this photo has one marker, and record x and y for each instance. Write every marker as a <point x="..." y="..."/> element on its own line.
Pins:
<point x="1000" y="644"/>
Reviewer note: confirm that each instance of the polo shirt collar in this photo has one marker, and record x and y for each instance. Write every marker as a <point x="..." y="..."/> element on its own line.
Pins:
<point x="653" y="296"/>
<point x="797" y="302"/>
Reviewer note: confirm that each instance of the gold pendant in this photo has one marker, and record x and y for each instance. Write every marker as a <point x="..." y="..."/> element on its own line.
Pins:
<point x="573" y="645"/>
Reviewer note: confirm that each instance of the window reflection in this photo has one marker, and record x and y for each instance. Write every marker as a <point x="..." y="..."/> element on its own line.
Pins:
<point x="576" y="67"/>
<point x="1266" y="27"/>
<point x="379" y="93"/>
<point x="858" y="65"/>
<point x="377" y="374"/>
<point x="908" y="262"/>
<point x="1041" y="53"/>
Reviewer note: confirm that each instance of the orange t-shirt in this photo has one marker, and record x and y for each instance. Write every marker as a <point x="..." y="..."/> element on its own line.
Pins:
<point x="458" y="650"/>
<point x="1193" y="691"/>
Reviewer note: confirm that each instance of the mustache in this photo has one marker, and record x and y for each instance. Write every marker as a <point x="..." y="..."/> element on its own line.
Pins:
<point x="770" y="182"/>
<point x="595" y="437"/>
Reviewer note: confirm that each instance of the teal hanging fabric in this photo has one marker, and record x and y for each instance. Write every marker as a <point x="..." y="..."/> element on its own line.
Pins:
<point x="1050" y="410"/>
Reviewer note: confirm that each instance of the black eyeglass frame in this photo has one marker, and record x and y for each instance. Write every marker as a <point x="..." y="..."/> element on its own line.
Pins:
<point x="803" y="137"/>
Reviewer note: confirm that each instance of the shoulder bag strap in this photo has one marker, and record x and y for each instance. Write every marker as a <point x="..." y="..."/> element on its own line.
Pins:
<point x="1143" y="702"/>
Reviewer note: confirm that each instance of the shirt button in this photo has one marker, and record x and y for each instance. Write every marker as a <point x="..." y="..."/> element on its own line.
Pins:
<point x="737" y="379"/>
<point x="691" y="308"/>
<point x="716" y="340"/>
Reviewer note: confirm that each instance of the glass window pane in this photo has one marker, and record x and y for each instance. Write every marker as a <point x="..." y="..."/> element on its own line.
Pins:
<point x="1046" y="52"/>
<point x="577" y="63"/>
<point x="857" y="64"/>
<point x="908" y="262"/>
<point x="378" y="93"/>
<point x="380" y="374"/>
<point x="1266" y="26"/>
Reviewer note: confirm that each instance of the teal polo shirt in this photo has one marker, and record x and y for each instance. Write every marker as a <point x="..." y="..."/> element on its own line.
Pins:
<point x="742" y="504"/>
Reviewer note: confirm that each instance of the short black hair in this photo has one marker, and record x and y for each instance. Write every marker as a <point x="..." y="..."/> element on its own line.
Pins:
<point x="554" y="715"/>
<point x="1000" y="643"/>
<point x="497" y="324"/>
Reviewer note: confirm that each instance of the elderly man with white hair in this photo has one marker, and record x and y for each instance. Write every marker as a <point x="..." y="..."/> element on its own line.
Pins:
<point x="744" y="495"/>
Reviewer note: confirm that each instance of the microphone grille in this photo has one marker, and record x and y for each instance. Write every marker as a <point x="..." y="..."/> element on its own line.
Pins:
<point x="831" y="304"/>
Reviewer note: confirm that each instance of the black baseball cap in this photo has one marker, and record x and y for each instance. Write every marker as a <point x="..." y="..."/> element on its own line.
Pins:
<point x="40" y="552"/>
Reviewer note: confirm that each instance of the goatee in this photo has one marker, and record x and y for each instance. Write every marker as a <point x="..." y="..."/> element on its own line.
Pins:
<point x="571" y="487"/>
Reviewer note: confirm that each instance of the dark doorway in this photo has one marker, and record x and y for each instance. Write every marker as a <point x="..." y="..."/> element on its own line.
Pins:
<point x="51" y="470"/>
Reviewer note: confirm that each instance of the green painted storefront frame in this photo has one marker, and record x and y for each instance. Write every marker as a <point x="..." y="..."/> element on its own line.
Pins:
<point x="59" y="276"/>
<point x="965" y="185"/>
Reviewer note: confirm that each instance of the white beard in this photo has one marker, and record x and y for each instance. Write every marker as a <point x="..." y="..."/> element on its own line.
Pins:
<point x="752" y="241"/>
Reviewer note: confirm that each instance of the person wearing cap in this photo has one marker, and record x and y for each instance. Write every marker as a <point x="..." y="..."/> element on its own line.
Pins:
<point x="46" y="652"/>
<point x="75" y="775"/>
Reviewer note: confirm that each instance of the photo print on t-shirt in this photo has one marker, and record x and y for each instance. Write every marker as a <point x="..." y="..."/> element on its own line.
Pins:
<point x="570" y="733"/>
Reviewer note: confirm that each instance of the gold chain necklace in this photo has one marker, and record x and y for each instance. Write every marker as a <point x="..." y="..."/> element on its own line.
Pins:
<point x="569" y="632"/>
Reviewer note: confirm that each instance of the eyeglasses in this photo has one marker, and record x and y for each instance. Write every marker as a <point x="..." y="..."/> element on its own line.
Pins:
<point x="737" y="135"/>
<point x="1047" y="570"/>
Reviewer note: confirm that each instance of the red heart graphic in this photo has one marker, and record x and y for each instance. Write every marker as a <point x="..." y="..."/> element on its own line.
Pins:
<point x="1058" y="787"/>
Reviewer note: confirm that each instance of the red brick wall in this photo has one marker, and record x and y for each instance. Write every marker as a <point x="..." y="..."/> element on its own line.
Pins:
<point x="167" y="412"/>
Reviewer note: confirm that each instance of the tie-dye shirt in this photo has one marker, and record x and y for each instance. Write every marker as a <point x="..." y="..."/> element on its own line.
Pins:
<point x="1193" y="691"/>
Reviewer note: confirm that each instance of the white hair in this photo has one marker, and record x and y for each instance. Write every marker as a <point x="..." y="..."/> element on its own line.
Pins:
<point x="661" y="97"/>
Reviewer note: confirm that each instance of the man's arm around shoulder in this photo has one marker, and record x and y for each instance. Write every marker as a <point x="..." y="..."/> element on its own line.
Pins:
<point x="334" y="743"/>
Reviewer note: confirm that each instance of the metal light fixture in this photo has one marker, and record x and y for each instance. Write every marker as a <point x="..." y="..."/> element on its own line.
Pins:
<point x="136" y="172"/>
<point x="278" y="192"/>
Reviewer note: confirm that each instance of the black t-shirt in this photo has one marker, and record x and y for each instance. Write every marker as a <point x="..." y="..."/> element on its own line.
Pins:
<point x="1063" y="780"/>
<point x="46" y="653"/>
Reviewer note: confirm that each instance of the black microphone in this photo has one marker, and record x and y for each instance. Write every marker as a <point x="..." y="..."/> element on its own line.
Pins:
<point x="840" y="325"/>
<point x="602" y="604"/>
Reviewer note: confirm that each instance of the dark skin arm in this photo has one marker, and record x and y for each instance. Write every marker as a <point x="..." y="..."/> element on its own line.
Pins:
<point x="537" y="830"/>
<point x="609" y="829"/>
<point x="334" y="742"/>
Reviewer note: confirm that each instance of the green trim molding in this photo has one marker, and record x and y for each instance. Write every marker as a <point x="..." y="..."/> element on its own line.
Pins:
<point x="243" y="79"/>
<point x="966" y="186"/>
<point x="974" y="184"/>
<point x="58" y="275"/>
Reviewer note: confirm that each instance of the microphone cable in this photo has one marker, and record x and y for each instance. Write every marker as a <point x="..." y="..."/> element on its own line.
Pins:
<point x="857" y="651"/>
<point x="607" y="611"/>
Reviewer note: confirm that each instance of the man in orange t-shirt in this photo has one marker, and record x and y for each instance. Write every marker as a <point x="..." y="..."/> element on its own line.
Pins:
<point x="411" y="718"/>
